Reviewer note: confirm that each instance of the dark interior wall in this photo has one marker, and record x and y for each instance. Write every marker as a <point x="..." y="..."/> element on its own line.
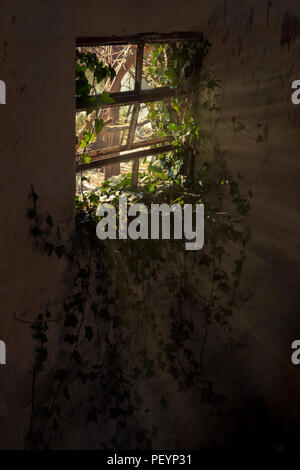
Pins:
<point x="256" y="55"/>
<point x="36" y="142"/>
<point x="256" y="58"/>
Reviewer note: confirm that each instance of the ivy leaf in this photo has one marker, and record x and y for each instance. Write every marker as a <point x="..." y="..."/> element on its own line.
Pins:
<point x="164" y="402"/>
<point x="172" y="127"/>
<point x="49" y="220"/>
<point x="66" y="307"/>
<point x="71" y="320"/>
<point x="34" y="195"/>
<point x="94" y="308"/>
<point x="170" y="74"/>
<point x="31" y="213"/>
<point x="71" y="339"/>
<point x="105" y="98"/>
<point x="89" y="333"/>
<point x="60" y="375"/>
<point x="36" y="231"/>
<point x="112" y="72"/>
<point x="86" y="158"/>
<point x="91" y="104"/>
<point x="60" y="250"/>
<point x="49" y="247"/>
<point x="100" y="73"/>
<point x="77" y="357"/>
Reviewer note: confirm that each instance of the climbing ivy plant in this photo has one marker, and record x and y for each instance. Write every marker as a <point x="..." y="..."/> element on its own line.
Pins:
<point x="134" y="328"/>
<point x="89" y="74"/>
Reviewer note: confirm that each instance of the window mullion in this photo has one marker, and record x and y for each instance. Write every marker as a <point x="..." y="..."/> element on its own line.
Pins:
<point x="136" y="108"/>
<point x="126" y="157"/>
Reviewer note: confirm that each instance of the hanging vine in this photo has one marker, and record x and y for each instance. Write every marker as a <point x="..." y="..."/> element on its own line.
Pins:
<point x="140" y="312"/>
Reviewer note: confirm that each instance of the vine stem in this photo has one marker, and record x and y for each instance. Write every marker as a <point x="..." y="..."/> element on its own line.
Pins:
<point x="55" y="398"/>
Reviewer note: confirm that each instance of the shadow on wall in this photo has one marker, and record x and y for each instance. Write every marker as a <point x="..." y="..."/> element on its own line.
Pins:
<point x="254" y="426"/>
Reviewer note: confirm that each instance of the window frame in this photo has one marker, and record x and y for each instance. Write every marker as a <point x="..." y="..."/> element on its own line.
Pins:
<point x="109" y="156"/>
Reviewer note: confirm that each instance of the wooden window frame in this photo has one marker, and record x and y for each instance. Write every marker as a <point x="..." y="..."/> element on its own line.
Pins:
<point x="110" y="156"/>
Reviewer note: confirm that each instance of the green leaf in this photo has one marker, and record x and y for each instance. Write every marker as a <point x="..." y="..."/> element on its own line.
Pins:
<point x="90" y="104"/>
<point x="173" y="127"/>
<point x="105" y="98"/>
<point x="85" y="158"/>
<point x="170" y="74"/>
<point x="99" y="124"/>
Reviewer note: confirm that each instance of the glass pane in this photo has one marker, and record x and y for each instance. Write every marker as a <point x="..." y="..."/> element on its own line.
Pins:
<point x="149" y="125"/>
<point x="94" y="177"/>
<point x="122" y="59"/>
<point x="154" y="56"/>
<point x="115" y="130"/>
<point x="91" y="181"/>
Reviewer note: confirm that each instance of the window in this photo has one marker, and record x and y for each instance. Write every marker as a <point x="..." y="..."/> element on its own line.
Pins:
<point x="128" y="135"/>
